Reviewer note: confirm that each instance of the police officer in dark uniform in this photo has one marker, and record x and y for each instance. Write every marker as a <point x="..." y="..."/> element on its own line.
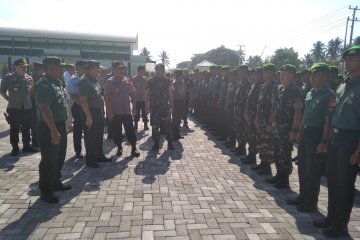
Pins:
<point x="160" y="99"/>
<point x="343" y="149"/>
<point x="119" y="93"/>
<point x="17" y="88"/>
<point x="189" y="84"/>
<point x="38" y="72"/>
<point x="92" y="115"/>
<point x="76" y="106"/>
<point x="52" y="113"/>
<point x="314" y="133"/>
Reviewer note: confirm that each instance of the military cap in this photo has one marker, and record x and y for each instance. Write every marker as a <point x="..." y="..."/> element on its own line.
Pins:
<point x="269" y="66"/>
<point x="334" y="69"/>
<point x="37" y="65"/>
<point x="93" y="64"/>
<point x="21" y="62"/>
<point x="81" y="63"/>
<point x="354" y="50"/>
<point x="288" y="68"/>
<point x="53" y="61"/>
<point x="160" y="66"/>
<point x="115" y="64"/>
<point x="319" y="67"/>
<point x="255" y="70"/>
<point x="225" y="67"/>
<point x="243" y="66"/>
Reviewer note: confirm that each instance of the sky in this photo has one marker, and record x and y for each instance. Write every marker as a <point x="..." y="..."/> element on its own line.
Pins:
<point x="187" y="27"/>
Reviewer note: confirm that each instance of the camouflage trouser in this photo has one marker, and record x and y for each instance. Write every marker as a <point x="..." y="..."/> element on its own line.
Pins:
<point x="240" y="130"/>
<point x="265" y="146"/>
<point x="162" y="119"/>
<point x="251" y="136"/>
<point x="283" y="153"/>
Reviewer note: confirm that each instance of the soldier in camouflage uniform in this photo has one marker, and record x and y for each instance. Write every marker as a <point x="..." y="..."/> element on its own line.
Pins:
<point x="160" y="100"/>
<point x="267" y="99"/>
<point x="250" y="114"/>
<point x="229" y="109"/>
<point x="241" y="93"/>
<point x="286" y="123"/>
<point x="221" y="103"/>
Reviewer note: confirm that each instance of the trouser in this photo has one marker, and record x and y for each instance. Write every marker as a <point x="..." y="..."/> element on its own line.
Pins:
<point x="20" y="118"/>
<point x="77" y="127"/>
<point x="251" y="136"/>
<point x="117" y="122"/>
<point x="230" y="124"/>
<point x="69" y="119"/>
<point x="93" y="137"/>
<point x="176" y="117"/>
<point x="33" y="126"/>
<point x="140" y="106"/>
<point x="52" y="157"/>
<point x="186" y="107"/>
<point x="283" y="153"/>
<point x="341" y="176"/>
<point x="159" y="119"/>
<point x="265" y="146"/>
<point x="309" y="165"/>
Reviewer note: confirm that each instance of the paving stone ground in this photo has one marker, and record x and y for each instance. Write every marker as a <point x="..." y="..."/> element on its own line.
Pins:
<point x="191" y="193"/>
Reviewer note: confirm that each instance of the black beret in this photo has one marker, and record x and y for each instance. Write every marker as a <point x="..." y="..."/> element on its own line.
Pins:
<point x="93" y="64"/>
<point x="37" y="65"/>
<point x="21" y="62"/>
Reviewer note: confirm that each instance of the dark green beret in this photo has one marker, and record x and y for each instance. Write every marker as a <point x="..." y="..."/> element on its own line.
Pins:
<point x="269" y="66"/>
<point x="233" y="72"/>
<point x="288" y="68"/>
<point x="93" y="64"/>
<point x="334" y="69"/>
<point x="37" y="65"/>
<point x="225" y="67"/>
<point x="53" y="61"/>
<point x="256" y="70"/>
<point x="354" y="50"/>
<point x="245" y="67"/>
<point x="319" y="67"/>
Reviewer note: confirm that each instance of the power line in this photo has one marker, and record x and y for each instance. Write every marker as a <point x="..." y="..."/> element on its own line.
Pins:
<point x="329" y="15"/>
<point x="352" y="23"/>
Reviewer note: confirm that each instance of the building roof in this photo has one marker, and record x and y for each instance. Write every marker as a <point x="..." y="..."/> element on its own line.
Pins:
<point x="37" y="33"/>
<point x="205" y="63"/>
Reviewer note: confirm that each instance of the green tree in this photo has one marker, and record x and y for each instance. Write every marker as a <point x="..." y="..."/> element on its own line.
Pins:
<point x="318" y="51"/>
<point x="254" y="61"/>
<point x="164" y="58"/>
<point x="184" y="64"/>
<point x="220" y="56"/>
<point x="307" y="61"/>
<point x="285" y="56"/>
<point x="334" y="49"/>
<point x="145" y="52"/>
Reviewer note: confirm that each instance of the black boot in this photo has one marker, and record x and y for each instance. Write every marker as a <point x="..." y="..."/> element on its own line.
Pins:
<point x="256" y="167"/>
<point x="135" y="125"/>
<point x="274" y="179"/>
<point x="15" y="151"/>
<point x="170" y="146"/>
<point x="29" y="149"/>
<point x="251" y="158"/>
<point x="242" y="150"/>
<point x="119" y="151"/>
<point x="134" y="152"/>
<point x="146" y="126"/>
<point x="283" y="181"/>
<point x="155" y="147"/>
<point x="265" y="169"/>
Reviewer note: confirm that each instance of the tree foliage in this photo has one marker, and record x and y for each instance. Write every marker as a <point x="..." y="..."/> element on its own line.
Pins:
<point x="164" y="58"/>
<point x="285" y="56"/>
<point x="254" y="61"/>
<point x="145" y="52"/>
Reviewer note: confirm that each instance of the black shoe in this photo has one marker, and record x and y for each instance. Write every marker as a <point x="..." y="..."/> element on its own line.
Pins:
<point x="155" y="147"/>
<point x="283" y="182"/>
<point x="235" y="150"/>
<point x="62" y="187"/>
<point x="170" y="147"/>
<point x="92" y="164"/>
<point x="49" y="199"/>
<point x="264" y="171"/>
<point x="135" y="126"/>
<point x="322" y="223"/>
<point x="104" y="159"/>
<point x="249" y="161"/>
<point x="185" y="125"/>
<point x="306" y="209"/>
<point x="15" y="151"/>
<point x="135" y="153"/>
<point x="332" y="232"/>
<point x="273" y="180"/>
<point x="79" y="155"/>
<point x="146" y="127"/>
<point x="294" y="201"/>
<point x="256" y="167"/>
<point x="29" y="149"/>
<point x="119" y="152"/>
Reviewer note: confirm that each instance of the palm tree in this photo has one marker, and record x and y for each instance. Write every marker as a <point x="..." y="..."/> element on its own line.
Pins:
<point x="164" y="57"/>
<point x="307" y="60"/>
<point x="318" y="51"/>
<point x="145" y="52"/>
<point x="334" y="49"/>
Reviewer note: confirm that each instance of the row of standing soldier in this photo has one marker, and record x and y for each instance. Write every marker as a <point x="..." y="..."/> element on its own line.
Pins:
<point x="271" y="111"/>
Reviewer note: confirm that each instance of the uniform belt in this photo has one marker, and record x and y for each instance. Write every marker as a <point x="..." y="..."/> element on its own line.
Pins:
<point x="346" y="131"/>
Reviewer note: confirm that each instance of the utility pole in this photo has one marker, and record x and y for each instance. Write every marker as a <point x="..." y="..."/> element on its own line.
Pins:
<point x="240" y="46"/>
<point x="352" y="23"/>
<point x="346" y="29"/>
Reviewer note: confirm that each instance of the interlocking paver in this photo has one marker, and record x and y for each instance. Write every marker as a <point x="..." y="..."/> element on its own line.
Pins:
<point x="191" y="193"/>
